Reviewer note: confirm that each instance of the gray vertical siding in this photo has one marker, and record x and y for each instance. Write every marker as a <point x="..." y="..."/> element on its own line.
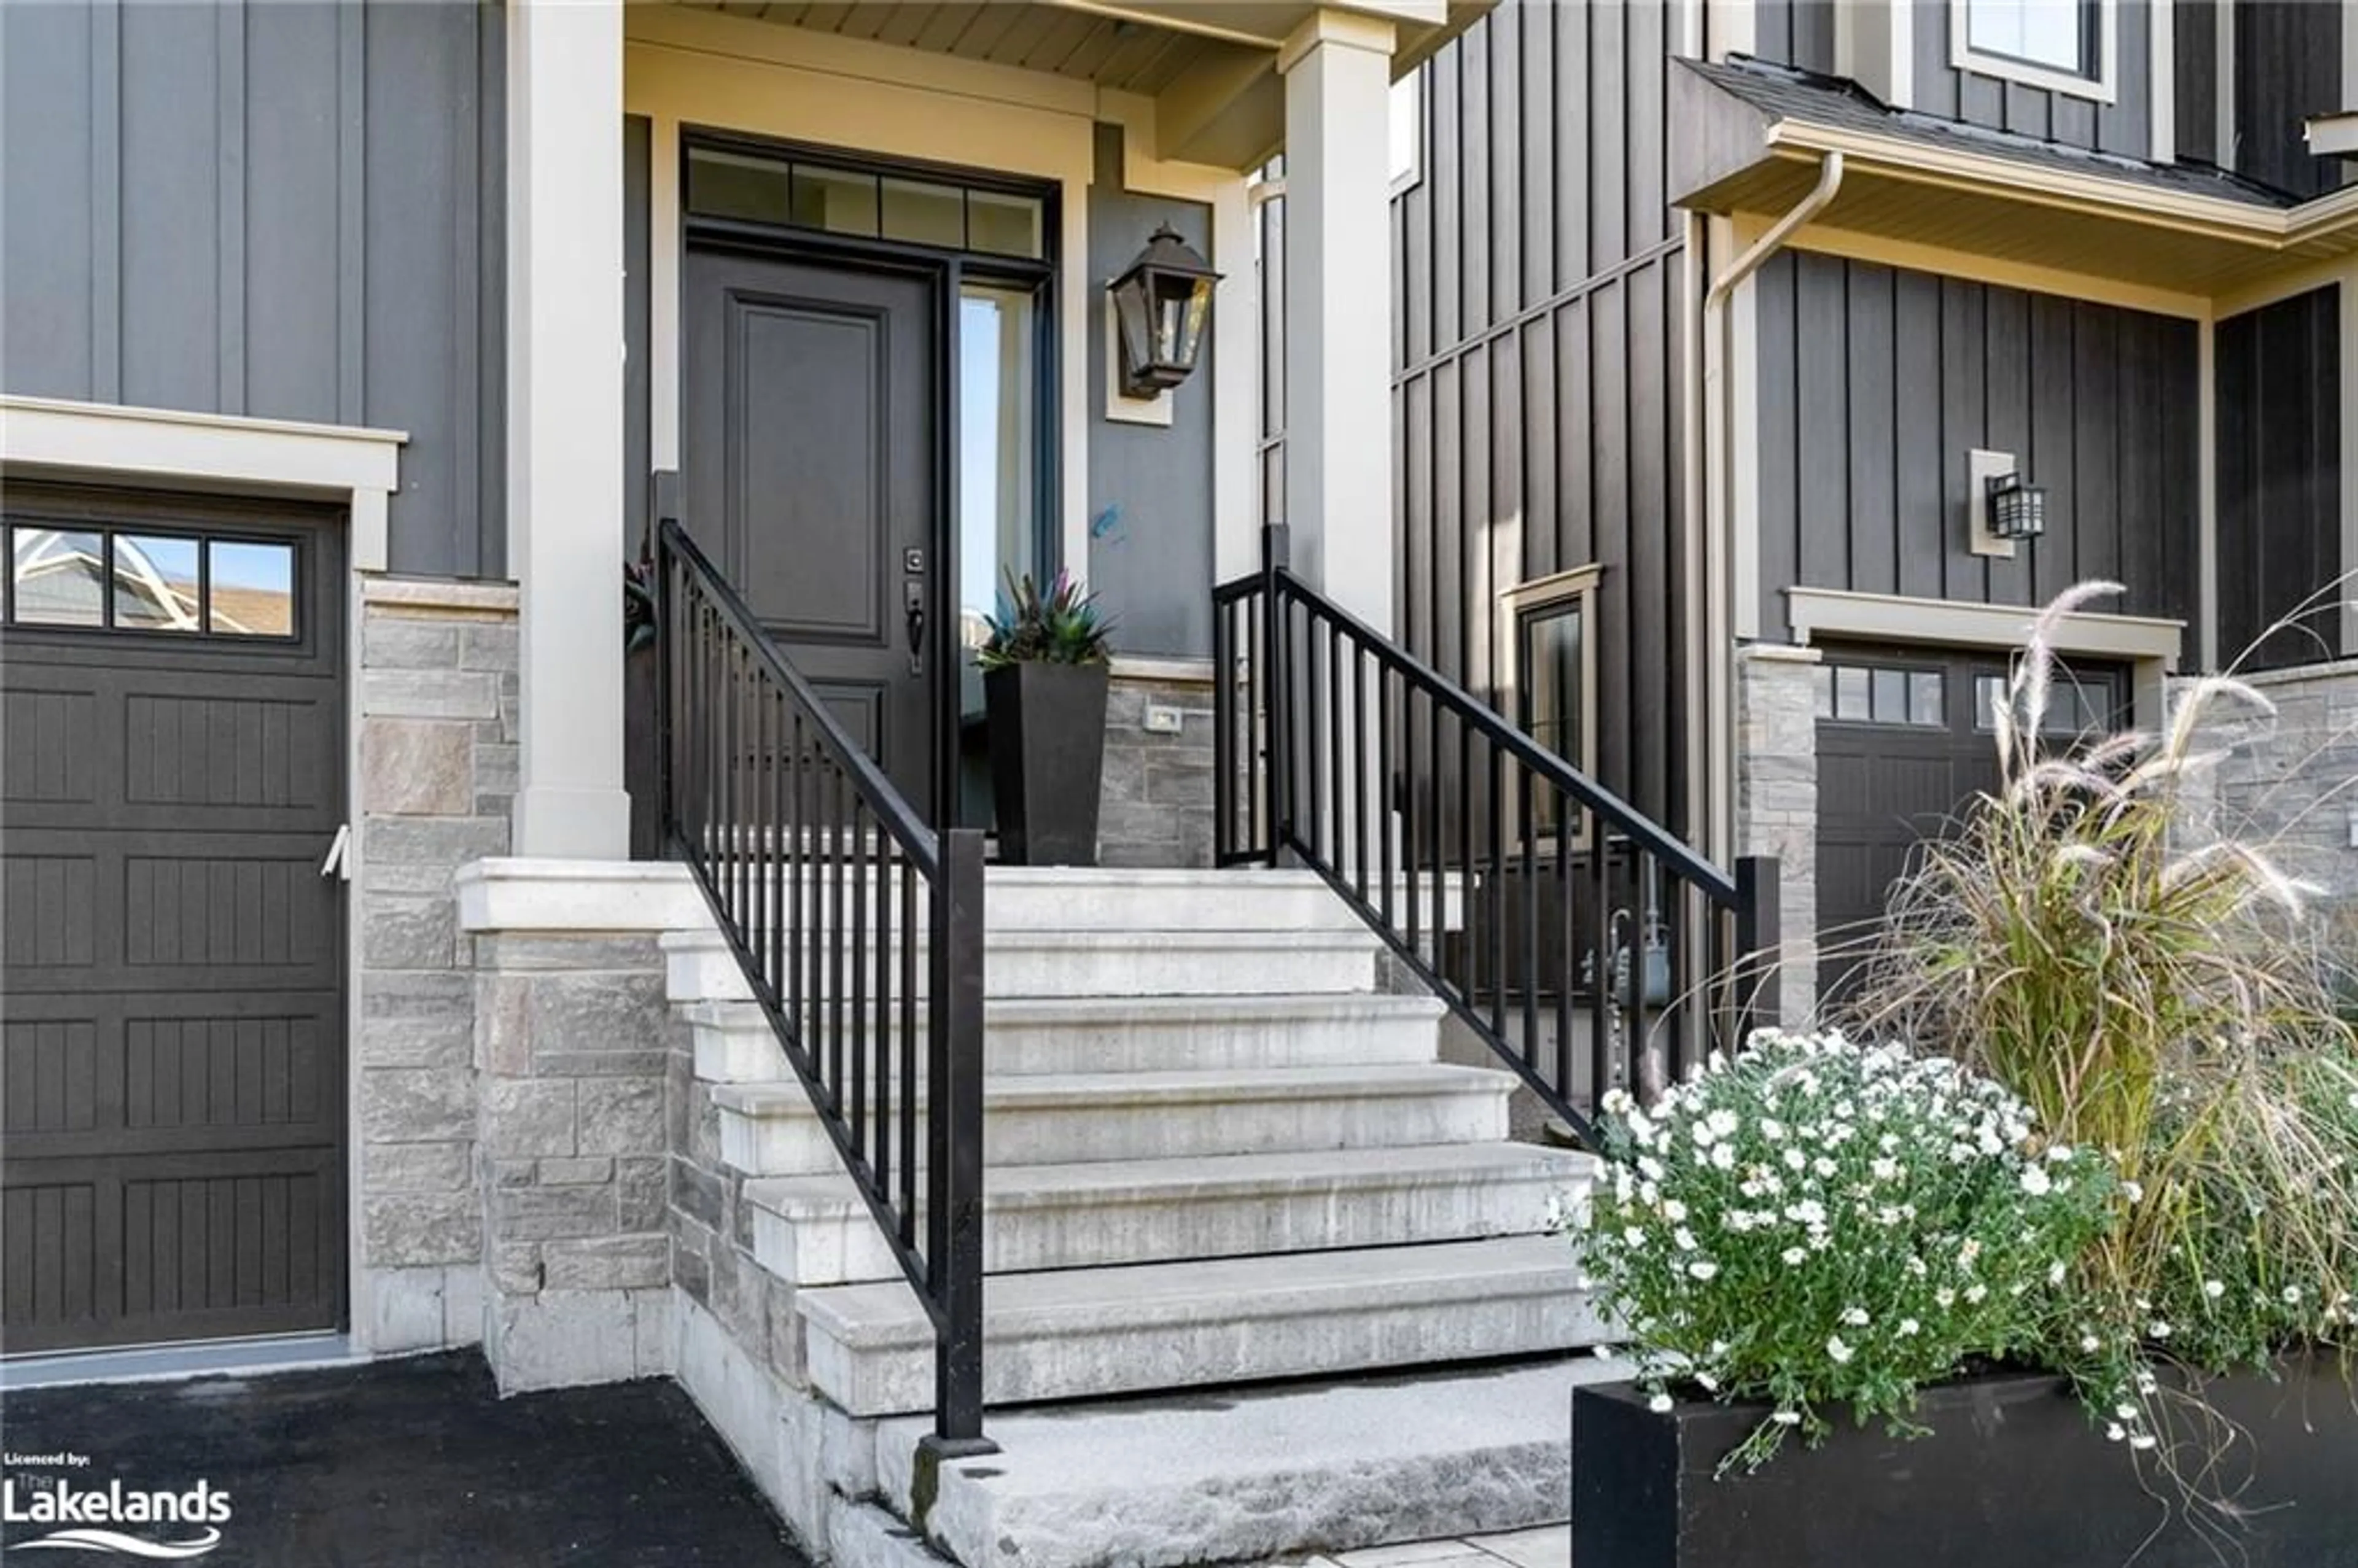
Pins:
<point x="1150" y="486"/>
<point x="2287" y="66"/>
<point x="2279" y="480"/>
<point x="286" y="210"/>
<point x="638" y="236"/>
<point x="1538" y="335"/>
<point x="1875" y="383"/>
<point x="2195" y="66"/>
<point x="2124" y="126"/>
<point x="1802" y="33"/>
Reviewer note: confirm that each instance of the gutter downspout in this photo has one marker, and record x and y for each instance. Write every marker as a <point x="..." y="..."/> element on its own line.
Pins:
<point x="1712" y="547"/>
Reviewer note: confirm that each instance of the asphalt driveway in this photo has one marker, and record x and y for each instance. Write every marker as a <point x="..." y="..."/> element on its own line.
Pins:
<point x="409" y="1462"/>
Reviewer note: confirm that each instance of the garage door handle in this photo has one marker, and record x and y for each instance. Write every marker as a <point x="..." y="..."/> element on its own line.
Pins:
<point x="338" y="864"/>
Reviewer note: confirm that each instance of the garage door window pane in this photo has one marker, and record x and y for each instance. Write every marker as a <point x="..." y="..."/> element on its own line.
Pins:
<point x="1925" y="699"/>
<point x="60" y="577"/>
<point x="1891" y="697"/>
<point x="252" y="589"/>
<point x="1852" y="699"/>
<point x="155" y="583"/>
<point x="1822" y="683"/>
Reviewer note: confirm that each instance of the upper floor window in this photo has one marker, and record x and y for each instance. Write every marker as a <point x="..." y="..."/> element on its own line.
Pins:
<point x="2065" y="46"/>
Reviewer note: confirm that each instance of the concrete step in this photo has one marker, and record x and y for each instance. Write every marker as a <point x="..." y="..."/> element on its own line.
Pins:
<point x="1082" y="963"/>
<point x="772" y="1129"/>
<point x="1091" y="1332"/>
<point x="1159" y="1483"/>
<point x="1027" y="1035"/>
<point x="816" y="1231"/>
<point x="1107" y="898"/>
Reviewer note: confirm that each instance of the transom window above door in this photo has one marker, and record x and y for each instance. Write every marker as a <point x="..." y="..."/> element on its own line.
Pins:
<point x="799" y="193"/>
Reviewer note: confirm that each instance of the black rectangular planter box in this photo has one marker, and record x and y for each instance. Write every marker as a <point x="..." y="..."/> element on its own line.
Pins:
<point x="2012" y="1477"/>
<point x="1047" y="760"/>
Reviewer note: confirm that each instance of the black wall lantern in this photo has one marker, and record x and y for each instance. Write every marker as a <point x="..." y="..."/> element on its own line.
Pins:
<point x="2016" y="510"/>
<point x="1161" y="303"/>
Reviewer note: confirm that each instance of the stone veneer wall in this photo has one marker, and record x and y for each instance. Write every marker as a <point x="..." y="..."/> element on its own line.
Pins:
<point x="2287" y="783"/>
<point x="1156" y="809"/>
<point x="435" y="691"/>
<point x="573" y="1039"/>
<point x="1777" y="800"/>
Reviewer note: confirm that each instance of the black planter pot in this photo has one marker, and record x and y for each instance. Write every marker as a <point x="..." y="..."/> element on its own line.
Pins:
<point x="2011" y="1475"/>
<point x="1047" y="761"/>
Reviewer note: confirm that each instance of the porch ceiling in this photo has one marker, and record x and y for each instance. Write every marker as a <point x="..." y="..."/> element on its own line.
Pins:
<point x="1209" y="66"/>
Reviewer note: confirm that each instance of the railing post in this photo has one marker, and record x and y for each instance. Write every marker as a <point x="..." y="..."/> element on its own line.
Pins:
<point x="953" y="1216"/>
<point x="664" y="509"/>
<point x="1276" y="550"/>
<point x="1758" y="944"/>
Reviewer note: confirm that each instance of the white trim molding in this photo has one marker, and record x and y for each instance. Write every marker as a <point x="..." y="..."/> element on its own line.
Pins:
<point x="1815" y="613"/>
<point x="2104" y="87"/>
<point x="361" y="467"/>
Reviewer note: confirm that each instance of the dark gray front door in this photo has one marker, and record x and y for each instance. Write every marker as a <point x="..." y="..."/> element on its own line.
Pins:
<point x="171" y="974"/>
<point x="1903" y="746"/>
<point x="813" y="407"/>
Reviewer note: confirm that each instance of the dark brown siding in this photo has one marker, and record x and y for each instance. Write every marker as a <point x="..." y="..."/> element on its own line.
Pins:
<point x="2279" y="479"/>
<point x="1874" y="385"/>
<point x="1538" y="332"/>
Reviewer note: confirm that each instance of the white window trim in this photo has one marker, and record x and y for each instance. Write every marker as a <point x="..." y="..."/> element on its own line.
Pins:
<point x="53" y="438"/>
<point x="2102" y="88"/>
<point x="1576" y="584"/>
<point x="1413" y="176"/>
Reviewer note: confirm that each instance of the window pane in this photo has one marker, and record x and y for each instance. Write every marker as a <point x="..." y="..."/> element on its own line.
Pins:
<point x="1989" y="696"/>
<point x="999" y="494"/>
<point x="1822" y="680"/>
<point x="60" y="577"/>
<point x="2044" y="32"/>
<point x="1002" y="224"/>
<point x="1551" y="671"/>
<point x="832" y="200"/>
<point x="1925" y="704"/>
<point x="730" y="185"/>
<point x="925" y="214"/>
<point x="1891" y="697"/>
<point x="252" y="594"/>
<point x="155" y="582"/>
<point x="1851" y="694"/>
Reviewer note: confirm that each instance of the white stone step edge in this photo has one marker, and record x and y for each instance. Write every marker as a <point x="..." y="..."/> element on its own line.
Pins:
<point x="1093" y="1332"/>
<point x="1258" y="1475"/>
<point x="816" y="1231"/>
<point x="774" y="1130"/>
<point x="699" y="966"/>
<point x="1024" y="1035"/>
<point x="1072" y="1119"/>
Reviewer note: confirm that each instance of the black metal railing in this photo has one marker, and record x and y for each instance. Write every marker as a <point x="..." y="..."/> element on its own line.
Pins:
<point x="860" y="930"/>
<point x="1588" y="946"/>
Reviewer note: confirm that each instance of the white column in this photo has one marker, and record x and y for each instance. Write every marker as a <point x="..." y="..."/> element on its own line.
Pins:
<point x="1338" y="292"/>
<point x="565" y="421"/>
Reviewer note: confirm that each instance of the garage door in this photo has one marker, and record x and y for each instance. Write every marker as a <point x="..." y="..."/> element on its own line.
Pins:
<point x="1904" y="745"/>
<point x="171" y="974"/>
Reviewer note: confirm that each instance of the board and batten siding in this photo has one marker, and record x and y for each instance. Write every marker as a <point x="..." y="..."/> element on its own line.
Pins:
<point x="1801" y="33"/>
<point x="2281" y="480"/>
<point x="2287" y="66"/>
<point x="283" y="211"/>
<point x="1877" y="382"/>
<point x="1538" y="346"/>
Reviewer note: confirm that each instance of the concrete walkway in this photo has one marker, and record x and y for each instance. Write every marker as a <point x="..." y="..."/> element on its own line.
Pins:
<point x="416" y="1462"/>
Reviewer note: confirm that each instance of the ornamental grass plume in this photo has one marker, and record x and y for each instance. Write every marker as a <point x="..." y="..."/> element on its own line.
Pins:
<point x="2098" y="940"/>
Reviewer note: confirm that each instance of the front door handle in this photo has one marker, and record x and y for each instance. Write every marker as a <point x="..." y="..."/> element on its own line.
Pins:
<point x="913" y="593"/>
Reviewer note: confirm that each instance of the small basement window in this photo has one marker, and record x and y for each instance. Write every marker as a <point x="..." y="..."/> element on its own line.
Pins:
<point x="1554" y="628"/>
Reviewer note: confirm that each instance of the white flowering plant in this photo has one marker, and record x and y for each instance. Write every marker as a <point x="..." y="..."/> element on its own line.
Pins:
<point x="1819" y="1223"/>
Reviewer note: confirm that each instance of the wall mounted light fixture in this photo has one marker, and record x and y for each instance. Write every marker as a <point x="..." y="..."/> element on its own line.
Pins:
<point x="2005" y="507"/>
<point x="1160" y="302"/>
